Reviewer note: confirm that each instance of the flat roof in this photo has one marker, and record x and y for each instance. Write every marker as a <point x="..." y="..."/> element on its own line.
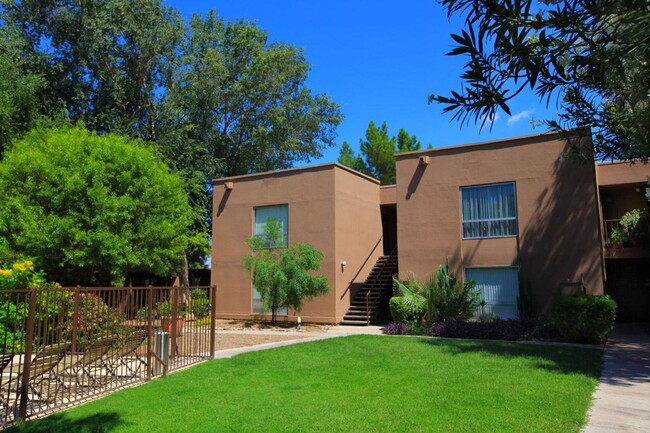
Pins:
<point x="512" y="140"/>
<point x="296" y="170"/>
<point x="622" y="173"/>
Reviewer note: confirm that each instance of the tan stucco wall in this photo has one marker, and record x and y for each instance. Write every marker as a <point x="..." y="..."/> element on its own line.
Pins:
<point x="622" y="187"/>
<point x="358" y="234"/>
<point x="319" y="199"/>
<point x="559" y="235"/>
<point x="622" y="173"/>
<point x="388" y="194"/>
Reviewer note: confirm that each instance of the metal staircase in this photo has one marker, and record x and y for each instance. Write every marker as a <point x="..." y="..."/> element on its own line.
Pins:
<point x="377" y="288"/>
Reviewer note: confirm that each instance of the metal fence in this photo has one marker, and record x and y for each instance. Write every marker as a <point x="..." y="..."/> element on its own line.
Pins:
<point x="66" y="345"/>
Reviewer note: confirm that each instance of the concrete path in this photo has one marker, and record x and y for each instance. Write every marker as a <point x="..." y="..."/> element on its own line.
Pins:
<point x="621" y="402"/>
<point x="332" y="332"/>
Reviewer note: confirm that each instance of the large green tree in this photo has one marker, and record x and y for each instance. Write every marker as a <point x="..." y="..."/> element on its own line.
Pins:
<point x="90" y="209"/>
<point x="589" y="56"/>
<point x="107" y="62"/>
<point x="282" y="275"/>
<point x="246" y="98"/>
<point x="217" y="97"/>
<point x="19" y="102"/>
<point x="377" y="157"/>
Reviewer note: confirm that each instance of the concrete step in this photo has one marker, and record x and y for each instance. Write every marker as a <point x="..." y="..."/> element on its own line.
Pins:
<point x="374" y="291"/>
<point x="355" y="322"/>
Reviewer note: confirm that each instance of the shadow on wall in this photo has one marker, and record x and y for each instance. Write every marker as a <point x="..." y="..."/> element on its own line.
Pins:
<point x="468" y="255"/>
<point x="562" y="242"/>
<point x="61" y="423"/>
<point x="415" y="180"/>
<point x="353" y="287"/>
<point x="224" y="200"/>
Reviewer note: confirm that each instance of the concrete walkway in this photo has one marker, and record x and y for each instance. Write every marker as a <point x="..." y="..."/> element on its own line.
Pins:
<point x="333" y="332"/>
<point x="621" y="402"/>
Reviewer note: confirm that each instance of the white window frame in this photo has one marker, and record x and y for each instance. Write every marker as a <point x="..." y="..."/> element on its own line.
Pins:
<point x="515" y="218"/>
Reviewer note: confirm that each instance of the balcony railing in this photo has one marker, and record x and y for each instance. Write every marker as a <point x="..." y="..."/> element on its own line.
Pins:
<point x="610" y="225"/>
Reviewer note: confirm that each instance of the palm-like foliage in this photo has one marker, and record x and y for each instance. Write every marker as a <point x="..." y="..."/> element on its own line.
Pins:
<point x="444" y="296"/>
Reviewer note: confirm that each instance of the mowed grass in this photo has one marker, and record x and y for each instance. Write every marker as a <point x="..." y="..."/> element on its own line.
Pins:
<point x="357" y="384"/>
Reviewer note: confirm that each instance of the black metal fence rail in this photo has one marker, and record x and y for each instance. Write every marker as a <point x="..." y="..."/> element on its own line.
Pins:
<point x="62" y="346"/>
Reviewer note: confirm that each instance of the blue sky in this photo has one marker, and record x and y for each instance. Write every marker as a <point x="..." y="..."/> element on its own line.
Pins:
<point x="379" y="60"/>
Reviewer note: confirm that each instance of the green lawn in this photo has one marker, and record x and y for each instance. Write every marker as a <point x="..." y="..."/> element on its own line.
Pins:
<point x="357" y="384"/>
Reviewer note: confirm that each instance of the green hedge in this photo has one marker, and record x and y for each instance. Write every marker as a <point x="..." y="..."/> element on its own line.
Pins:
<point x="402" y="312"/>
<point x="584" y="318"/>
<point x="201" y="307"/>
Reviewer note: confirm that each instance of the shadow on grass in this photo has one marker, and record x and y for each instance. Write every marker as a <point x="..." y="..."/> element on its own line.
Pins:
<point x="556" y="359"/>
<point x="60" y="423"/>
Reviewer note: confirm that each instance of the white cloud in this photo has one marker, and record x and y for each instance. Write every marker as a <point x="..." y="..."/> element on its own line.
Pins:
<point x="517" y="117"/>
<point x="490" y="119"/>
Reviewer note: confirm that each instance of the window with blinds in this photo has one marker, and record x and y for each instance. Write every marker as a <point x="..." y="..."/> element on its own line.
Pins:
<point x="499" y="288"/>
<point x="489" y="211"/>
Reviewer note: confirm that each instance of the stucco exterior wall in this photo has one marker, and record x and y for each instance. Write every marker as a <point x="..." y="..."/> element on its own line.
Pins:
<point x="358" y="233"/>
<point x="559" y="235"/>
<point x="622" y="173"/>
<point x="319" y="199"/>
<point x="388" y="195"/>
<point x="622" y="187"/>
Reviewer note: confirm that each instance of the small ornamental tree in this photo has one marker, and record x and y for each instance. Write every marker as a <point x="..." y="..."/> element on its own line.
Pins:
<point x="281" y="274"/>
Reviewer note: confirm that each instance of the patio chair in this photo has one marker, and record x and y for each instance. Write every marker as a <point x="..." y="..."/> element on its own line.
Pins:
<point x="42" y="368"/>
<point x="81" y="365"/>
<point x="126" y="355"/>
<point x="5" y="360"/>
<point x="44" y="365"/>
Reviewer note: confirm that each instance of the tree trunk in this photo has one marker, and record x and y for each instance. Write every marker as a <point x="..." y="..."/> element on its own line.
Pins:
<point x="185" y="271"/>
<point x="185" y="280"/>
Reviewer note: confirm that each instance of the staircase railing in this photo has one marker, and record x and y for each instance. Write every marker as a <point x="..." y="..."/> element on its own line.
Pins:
<point x="370" y="289"/>
<point x="361" y="267"/>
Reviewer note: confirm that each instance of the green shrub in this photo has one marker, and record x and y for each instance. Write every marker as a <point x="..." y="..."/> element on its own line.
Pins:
<point x="200" y="307"/>
<point x="618" y="236"/>
<point x="584" y="318"/>
<point x="406" y="312"/>
<point x="634" y="225"/>
<point x="443" y="295"/>
<point x="94" y="319"/>
<point x="165" y="309"/>
<point x="142" y="314"/>
<point x="416" y="328"/>
<point x="22" y="274"/>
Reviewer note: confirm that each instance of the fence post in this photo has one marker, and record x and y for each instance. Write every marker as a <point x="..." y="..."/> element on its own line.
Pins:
<point x="149" y="330"/>
<point x="213" y="319"/>
<point x="75" y="319"/>
<point x="174" y="325"/>
<point x="29" y="341"/>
